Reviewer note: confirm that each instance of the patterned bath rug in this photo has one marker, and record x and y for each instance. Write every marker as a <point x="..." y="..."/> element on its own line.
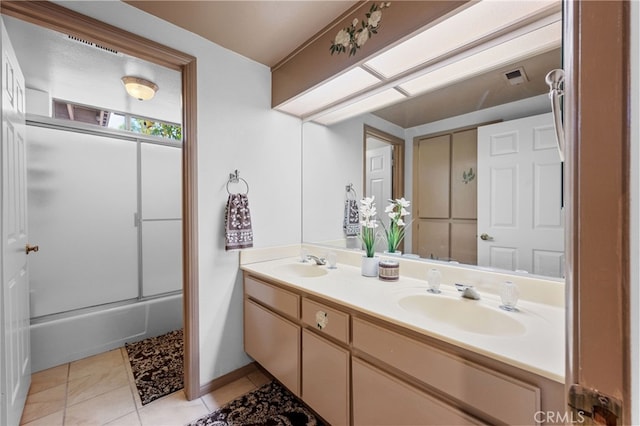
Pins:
<point x="269" y="405"/>
<point x="157" y="365"/>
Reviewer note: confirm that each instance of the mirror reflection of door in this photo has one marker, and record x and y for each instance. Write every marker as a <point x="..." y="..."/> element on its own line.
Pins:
<point x="445" y="193"/>
<point x="384" y="172"/>
<point x="520" y="216"/>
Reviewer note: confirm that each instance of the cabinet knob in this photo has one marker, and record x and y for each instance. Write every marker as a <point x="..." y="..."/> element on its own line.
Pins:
<point x="322" y="319"/>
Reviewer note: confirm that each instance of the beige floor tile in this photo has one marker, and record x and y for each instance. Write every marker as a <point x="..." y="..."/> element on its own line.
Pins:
<point x="102" y="408"/>
<point x="131" y="419"/>
<point x="132" y="381"/>
<point x="221" y="396"/>
<point x="43" y="403"/>
<point x="258" y="378"/>
<point x="87" y="387"/>
<point x="49" y="378"/>
<point x="172" y="410"/>
<point x="96" y="364"/>
<point x="54" y="419"/>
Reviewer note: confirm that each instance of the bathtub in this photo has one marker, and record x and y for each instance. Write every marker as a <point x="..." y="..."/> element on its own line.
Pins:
<point x="63" y="339"/>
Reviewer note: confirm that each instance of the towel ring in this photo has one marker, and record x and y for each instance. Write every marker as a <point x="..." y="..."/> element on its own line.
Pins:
<point x="350" y="190"/>
<point x="237" y="180"/>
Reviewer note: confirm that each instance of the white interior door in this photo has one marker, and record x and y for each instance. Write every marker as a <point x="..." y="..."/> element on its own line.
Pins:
<point x="15" y="354"/>
<point x="379" y="178"/>
<point x="520" y="217"/>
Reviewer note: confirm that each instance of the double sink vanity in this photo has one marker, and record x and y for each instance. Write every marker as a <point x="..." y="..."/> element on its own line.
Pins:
<point x="363" y="351"/>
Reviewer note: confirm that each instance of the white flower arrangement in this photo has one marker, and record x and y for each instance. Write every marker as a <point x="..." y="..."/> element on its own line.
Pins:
<point x="396" y="210"/>
<point x="352" y="38"/>
<point x="368" y="233"/>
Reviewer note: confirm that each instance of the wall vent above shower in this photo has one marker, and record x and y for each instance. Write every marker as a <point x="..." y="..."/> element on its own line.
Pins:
<point x="516" y="76"/>
<point x="92" y="44"/>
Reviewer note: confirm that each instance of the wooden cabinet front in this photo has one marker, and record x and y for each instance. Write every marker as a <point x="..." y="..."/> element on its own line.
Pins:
<point x="274" y="343"/>
<point x="381" y="399"/>
<point x="325" y="373"/>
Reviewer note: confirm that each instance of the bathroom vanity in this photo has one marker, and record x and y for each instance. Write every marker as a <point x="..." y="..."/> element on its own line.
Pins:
<point x="362" y="351"/>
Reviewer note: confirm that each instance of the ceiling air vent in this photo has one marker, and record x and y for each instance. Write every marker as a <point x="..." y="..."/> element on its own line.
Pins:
<point x="515" y="77"/>
<point x="92" y="44"/>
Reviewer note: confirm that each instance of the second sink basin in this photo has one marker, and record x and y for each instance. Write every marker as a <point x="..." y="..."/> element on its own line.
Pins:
<point x="303" y="270"/>
<point x="467" y="315"/>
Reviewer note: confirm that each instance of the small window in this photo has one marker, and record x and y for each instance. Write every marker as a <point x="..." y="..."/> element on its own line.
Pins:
<point x="150" y="127"/>
<point x="116" y="120"/>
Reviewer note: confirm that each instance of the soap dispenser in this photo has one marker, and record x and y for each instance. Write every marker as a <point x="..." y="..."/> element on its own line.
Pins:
<point x="509" y="294"/>
<point x="434" y="278"/>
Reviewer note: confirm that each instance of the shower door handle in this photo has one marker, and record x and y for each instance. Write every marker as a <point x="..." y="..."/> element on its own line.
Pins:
<point x="29" y="248"/>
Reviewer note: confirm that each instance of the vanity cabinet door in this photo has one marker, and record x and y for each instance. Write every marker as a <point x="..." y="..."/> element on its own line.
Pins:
<point x="274" y="343"/>
<point x="381" y="399"/>
<point x="325" y="378"/>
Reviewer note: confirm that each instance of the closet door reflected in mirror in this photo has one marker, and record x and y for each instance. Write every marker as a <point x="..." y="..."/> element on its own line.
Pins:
<point x="445" y="193"/>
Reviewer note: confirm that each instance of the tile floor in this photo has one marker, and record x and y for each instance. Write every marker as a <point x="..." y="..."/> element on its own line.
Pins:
<point x="100" y="390"/>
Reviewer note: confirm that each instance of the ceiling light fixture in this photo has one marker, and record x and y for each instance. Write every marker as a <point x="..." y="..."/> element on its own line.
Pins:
<point x="139" y="88"/>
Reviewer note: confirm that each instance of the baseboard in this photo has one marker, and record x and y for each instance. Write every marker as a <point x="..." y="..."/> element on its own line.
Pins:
<point x="227" y="378"/>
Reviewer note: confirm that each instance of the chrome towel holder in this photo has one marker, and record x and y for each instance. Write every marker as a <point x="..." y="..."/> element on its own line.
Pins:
<point x="235" y="178"/>
<point x="555" y="79"/>
<point x="351" y="191"/>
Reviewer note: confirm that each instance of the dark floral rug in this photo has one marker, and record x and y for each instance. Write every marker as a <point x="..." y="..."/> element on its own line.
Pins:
<point x="157" y="365"/>
<point x="269" y="405"/>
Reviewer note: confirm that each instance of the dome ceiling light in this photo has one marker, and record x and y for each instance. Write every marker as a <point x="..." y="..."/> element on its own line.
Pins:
<point x="139" y="88"/>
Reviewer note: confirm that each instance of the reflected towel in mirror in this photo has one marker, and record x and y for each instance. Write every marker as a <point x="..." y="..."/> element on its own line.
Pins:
<point x="351" y="223"/>
<point x="238" y="231"/>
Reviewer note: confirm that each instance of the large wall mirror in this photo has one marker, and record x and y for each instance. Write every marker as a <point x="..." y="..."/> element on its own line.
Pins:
<point x="480" y="167"/>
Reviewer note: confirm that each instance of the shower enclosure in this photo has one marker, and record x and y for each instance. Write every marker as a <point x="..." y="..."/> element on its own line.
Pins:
<point x="105" y="210"/>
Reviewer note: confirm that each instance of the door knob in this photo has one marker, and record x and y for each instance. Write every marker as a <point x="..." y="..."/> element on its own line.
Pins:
<point x="486" y="237"/>
<point x="29" y="248"/>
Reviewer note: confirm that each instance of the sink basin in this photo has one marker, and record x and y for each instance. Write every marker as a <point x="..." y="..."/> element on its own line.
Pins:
<point x="467" y="315"/>
<point x="302" y="270"/>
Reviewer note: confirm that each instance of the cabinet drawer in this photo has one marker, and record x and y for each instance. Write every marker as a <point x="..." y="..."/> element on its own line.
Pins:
<point x="510" y="401"/>
<point x="326" y="320"/>
<point x="381" y="399"/>
<point x="281" y="300"/>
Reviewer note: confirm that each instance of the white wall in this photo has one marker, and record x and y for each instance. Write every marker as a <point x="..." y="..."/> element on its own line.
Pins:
<point x="236" y="130"/>
<point x="332" y="157"/>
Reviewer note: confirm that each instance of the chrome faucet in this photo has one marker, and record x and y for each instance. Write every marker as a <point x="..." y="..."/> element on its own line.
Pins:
<point x="468" y="291"/>
<point x="318" y="260"/>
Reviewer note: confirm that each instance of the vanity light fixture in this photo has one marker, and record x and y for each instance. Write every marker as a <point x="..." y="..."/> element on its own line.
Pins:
<point x="139" y="88"/>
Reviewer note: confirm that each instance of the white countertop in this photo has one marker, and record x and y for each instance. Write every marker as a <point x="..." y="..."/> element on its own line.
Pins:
<point x="538" y="347"/>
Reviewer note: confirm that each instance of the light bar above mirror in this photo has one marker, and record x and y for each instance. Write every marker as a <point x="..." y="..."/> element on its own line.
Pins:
<point x="460" y="46"/>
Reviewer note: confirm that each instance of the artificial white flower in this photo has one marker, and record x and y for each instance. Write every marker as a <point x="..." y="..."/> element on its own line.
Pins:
<point x="374" y="19"/>
<point x="355" y="22"/>
<point x="342" y="38"/>
<point x="395" y="231"/>
<point x="403" y="202"/>
<point x="362" y="38"/>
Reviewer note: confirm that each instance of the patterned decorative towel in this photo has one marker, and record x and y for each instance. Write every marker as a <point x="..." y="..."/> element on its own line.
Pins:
<point x="238" y="232"/>
<point x="351" y="222"/>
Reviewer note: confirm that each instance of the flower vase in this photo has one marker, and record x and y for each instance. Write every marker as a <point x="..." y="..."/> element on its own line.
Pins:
<point x="369" y="266"/>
